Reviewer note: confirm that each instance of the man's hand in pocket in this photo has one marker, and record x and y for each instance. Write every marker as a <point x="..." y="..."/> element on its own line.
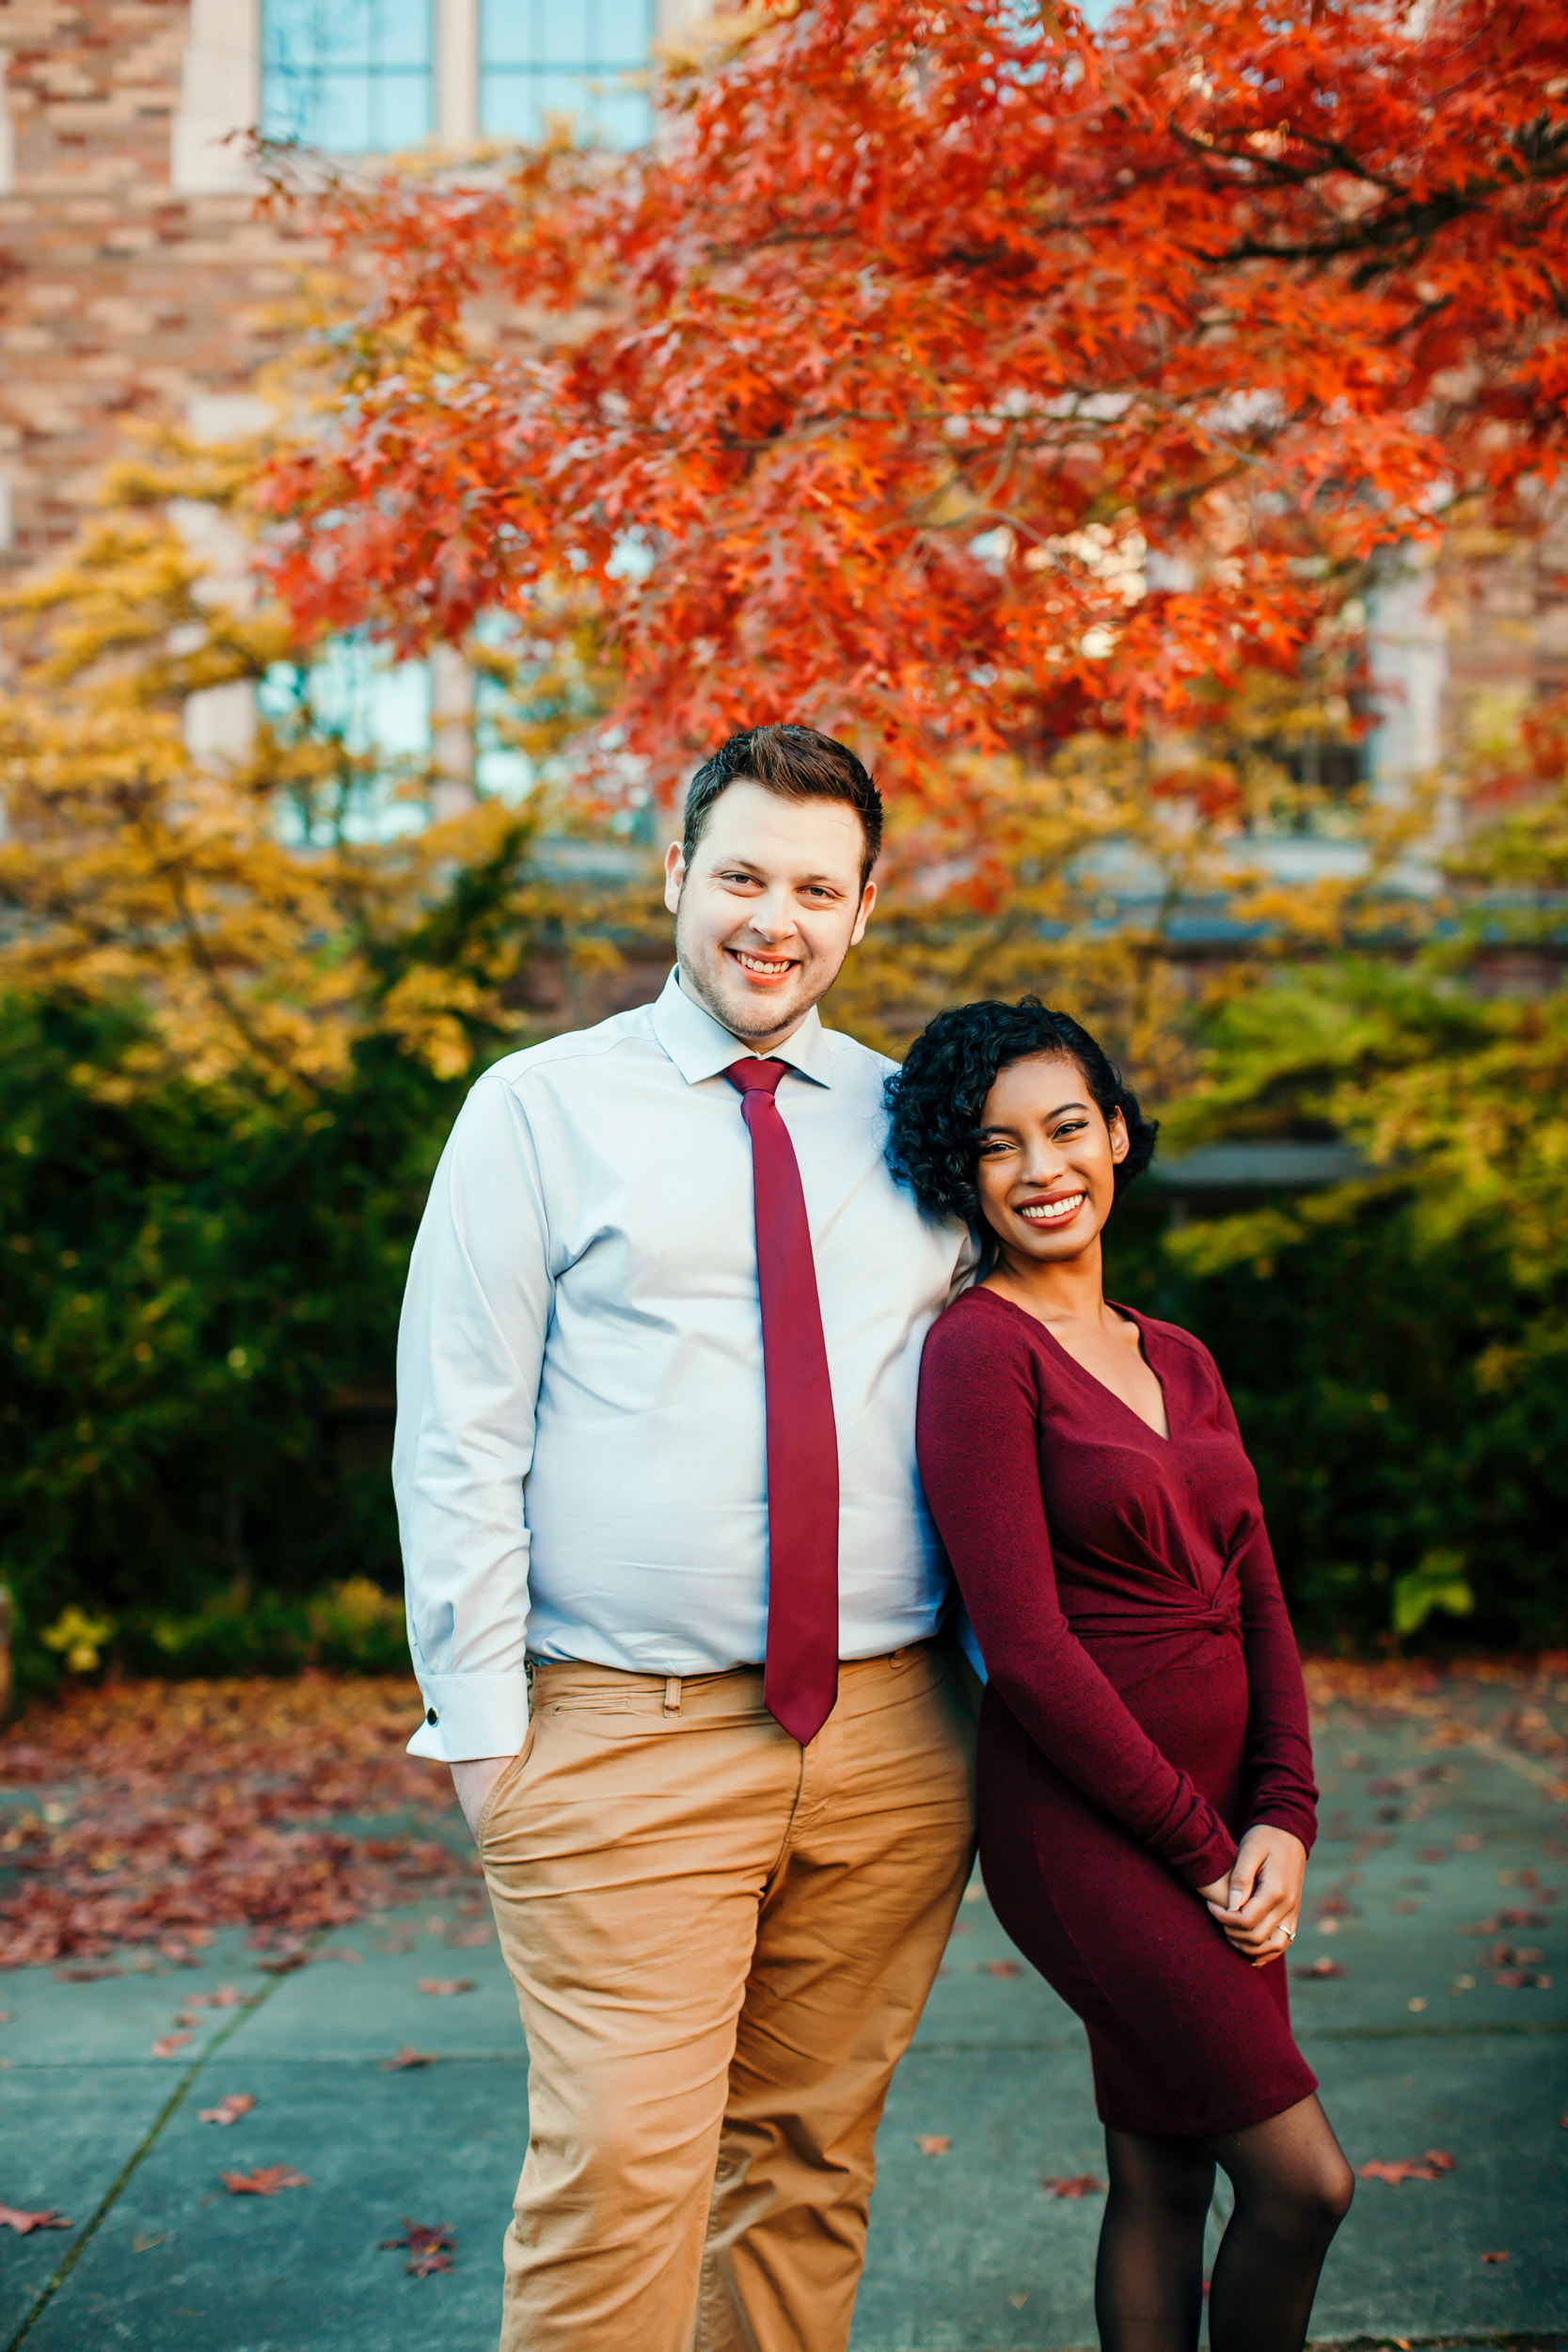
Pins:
<point x="473" y="1782"/>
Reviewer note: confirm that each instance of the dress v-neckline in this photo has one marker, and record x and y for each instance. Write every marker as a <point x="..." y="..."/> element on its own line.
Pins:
<point x="1161" y="1437"/>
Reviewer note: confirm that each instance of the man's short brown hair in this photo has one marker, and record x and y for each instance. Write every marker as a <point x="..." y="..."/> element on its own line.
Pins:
<point x="796" y="763"/>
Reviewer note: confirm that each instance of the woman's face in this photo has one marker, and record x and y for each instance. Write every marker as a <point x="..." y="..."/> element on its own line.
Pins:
<point x="1046" y="1173"/>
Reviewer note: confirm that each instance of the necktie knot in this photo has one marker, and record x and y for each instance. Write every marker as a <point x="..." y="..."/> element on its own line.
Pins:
<point x="757" y="1078"/>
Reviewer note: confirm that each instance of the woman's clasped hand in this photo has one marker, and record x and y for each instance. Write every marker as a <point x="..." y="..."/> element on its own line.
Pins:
<point x="1259" y="1903"/>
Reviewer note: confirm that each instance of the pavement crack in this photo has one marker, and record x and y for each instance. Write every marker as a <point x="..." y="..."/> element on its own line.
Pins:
<point x="149" y="2141"/>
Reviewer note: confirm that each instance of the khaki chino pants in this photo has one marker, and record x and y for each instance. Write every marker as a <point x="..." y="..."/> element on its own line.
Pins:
<point x="722" y="1943"/>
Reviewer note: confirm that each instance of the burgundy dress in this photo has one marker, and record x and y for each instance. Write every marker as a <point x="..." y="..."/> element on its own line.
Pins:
<point x="1144" y="1701"/>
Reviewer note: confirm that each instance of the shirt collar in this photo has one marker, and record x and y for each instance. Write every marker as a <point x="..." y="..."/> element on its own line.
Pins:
<point x="701" y="1047"/>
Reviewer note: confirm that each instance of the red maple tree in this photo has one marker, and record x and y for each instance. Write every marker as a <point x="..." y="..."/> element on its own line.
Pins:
<point x="955" y="377"/>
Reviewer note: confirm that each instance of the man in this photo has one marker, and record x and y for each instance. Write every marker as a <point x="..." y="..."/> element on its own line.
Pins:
<point x="673" y="1599"/>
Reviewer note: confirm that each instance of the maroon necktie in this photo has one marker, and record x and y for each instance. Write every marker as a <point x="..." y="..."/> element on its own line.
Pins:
<point x="800" y="1678"/>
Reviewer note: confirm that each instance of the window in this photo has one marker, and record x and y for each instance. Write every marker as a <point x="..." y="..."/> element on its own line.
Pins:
<point x="353" y="76"/>
<point x="541" y="57"/>
<point x="371" y="717"/>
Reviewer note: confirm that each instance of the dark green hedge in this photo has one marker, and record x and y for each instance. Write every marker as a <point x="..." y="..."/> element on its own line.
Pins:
<point x="199" y="1297"/>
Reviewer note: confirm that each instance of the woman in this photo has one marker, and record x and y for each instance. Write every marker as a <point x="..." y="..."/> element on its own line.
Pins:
<point x="1146" y="1785"/>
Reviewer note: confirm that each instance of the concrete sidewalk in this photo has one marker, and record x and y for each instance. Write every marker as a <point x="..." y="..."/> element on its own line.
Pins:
<point x="1439" y="1819"/>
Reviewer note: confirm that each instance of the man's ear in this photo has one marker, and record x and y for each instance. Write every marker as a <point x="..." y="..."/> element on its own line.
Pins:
<point x="868" y="899"/>
<point x="674" y="874"/>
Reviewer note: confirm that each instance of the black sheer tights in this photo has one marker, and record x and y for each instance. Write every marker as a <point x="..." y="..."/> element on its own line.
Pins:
<point x="1292" y="2190"/>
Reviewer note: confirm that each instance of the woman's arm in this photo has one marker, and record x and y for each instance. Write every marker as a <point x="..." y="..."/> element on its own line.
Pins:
<point x="977" y="1439"/>
<point x="1281" y="1789"/>
<point x="1266" y="1891"/>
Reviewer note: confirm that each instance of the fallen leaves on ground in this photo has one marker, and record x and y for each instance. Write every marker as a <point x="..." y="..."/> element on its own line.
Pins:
<point x="197" y="1805"/>
<point x="933" y="2143"/>
<point x="406" y="2056"/>
<point x="447" y="1984"/>
<point x="12" y="2218"/>
<point x="1079" y="2184"/>
<point x="1319" y="1968"/>
<point x="429" y="2247"/>
<point x="1496" y="2258"/>
<point x="1431" y="2167"/>
<point x="227" y="2110"/>
<point x="1003" y="1968"/>
<point x="265" y="2180"/>
<point x="169" y="2044"/>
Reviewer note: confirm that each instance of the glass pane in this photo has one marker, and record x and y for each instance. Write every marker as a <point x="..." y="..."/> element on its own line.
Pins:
<point x="515" y="105"/>
<point x="399" y="115"/>
<point x="625" y="30"/>
<point x="402" y="32"/>
<point x="506" y="31"/>
<point x="339" y="114"/>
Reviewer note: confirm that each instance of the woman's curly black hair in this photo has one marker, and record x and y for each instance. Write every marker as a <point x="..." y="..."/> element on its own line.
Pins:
<point x="936" y="1100"/>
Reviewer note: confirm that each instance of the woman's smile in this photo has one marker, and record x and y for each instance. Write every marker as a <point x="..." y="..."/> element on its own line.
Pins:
<point x="1054" y="1211"/>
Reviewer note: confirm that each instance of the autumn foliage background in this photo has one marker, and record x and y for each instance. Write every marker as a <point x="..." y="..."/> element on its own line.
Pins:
<point x="1040" y="408"/>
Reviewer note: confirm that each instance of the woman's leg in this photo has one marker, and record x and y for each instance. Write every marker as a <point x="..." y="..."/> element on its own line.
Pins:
<point x="1149" y="2277"/>
<point x="1293" y="2188"/>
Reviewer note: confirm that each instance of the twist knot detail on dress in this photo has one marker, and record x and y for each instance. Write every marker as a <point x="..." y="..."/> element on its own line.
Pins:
<point x="1144" y="1705"/>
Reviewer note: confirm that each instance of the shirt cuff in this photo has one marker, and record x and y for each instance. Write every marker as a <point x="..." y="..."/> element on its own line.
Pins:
<point x="468" y="1716"/>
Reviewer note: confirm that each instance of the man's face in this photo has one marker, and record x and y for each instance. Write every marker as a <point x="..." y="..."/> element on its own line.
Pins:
<point x="769" y="908"/>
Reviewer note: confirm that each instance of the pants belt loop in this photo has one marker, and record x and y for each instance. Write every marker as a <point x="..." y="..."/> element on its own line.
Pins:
<point x="671" y="1694"/>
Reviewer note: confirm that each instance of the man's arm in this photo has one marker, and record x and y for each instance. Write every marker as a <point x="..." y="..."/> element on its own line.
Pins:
<point x="471" y="1350"/>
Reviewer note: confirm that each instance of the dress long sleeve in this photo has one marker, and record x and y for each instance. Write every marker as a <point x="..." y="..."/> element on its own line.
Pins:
<point x="978" y="1438"/>
<point x="1282" y="1790"/>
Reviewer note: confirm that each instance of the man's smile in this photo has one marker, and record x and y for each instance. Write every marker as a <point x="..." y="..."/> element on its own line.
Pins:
<point x="762" y="967"/>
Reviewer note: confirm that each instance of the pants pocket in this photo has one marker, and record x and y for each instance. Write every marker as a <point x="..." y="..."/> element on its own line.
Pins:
<point x="508" y="1775"/>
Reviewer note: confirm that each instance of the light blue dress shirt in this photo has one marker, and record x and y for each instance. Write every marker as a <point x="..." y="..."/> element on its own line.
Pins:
<point x="579" y="1461"/>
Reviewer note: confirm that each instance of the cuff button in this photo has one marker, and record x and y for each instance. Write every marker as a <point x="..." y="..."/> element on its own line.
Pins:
<point x="430" y="1715"/>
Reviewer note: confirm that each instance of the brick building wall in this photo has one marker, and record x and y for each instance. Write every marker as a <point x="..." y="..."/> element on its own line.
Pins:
<point x="121" y="296"/>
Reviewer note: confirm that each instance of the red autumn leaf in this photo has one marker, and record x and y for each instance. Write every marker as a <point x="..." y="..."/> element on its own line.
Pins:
<point x="1431" y="2167"/>
<point x="1496" y="2258"/>
<point x="447" y="1984"/>
<point x="933" y="2143"/>
<point x="1077" y="2184"/>
<point x="1522" y="1979"/>
<point x="1003" y="1968"/>
<point x="406" y="2056"/>
<point x="1317" y="1969"/>
<point x="169" y="2044"/>
<point x="429" y="2247"/>
<point x="265" y="2182"/>
<point x="227" y="2110"/>
<point x="12" y="2218"/>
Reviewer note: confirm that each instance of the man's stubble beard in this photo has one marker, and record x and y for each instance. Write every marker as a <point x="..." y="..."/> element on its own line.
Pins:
<point x="751" y="1031"/>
